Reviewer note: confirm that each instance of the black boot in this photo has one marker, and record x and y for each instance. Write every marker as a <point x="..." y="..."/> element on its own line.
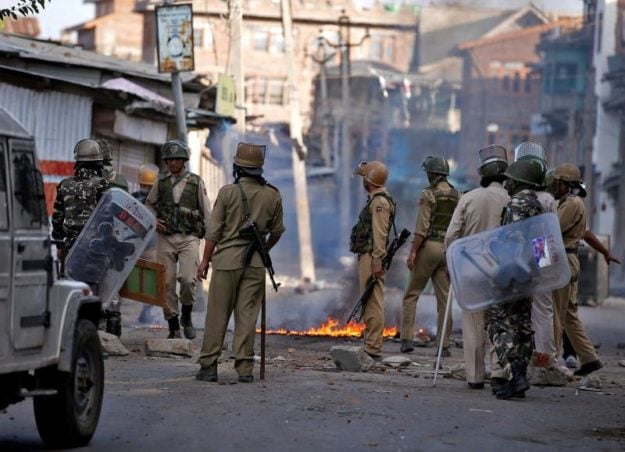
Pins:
<point x="174" y="328"/>
<point x="113" y="323"/>
<point x="186" y="322"/>
<point x="208" y="373"/>
<point x="517" y="386"/>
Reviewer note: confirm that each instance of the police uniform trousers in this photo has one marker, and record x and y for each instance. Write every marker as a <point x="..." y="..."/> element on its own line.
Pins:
<point x="430" y="263"/>
<point x="566" y="318"/>
<point x="509" y="328"/>
<point x="240" y="291"/>
<point x="542" y="323"/>
<point x="373" y="314"/>
<point x="180" y="255"/>
<point x="473" y="345"/>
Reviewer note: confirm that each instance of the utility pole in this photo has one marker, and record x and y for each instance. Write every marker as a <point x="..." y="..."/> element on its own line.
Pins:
<point x="345" y="166"/>
<point x="322" y="59"/>
<point x="298" y="152"/>
<point x="181" y="120"/>
<point x="234" y="67"/>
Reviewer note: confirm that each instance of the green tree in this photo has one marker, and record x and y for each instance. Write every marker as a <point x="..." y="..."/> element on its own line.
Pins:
<point x="23" y="8"/>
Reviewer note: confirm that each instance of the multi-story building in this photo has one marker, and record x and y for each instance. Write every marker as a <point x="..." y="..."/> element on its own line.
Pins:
<point x="500" y="90"/>
<point x="115" y="31"/>
<point x="391" y="39"/>
<point x="24" y="26"/>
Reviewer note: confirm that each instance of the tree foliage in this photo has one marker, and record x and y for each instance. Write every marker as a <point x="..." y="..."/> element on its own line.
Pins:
<point x="23" y="8"/>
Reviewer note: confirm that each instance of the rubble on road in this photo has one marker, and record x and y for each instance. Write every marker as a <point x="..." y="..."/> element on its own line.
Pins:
<point x="396" y="361"/>
<point x="590" y="382"/>
<point x="111" y="345"/>
<point x="169" y="348"/>
<point x="351" y="358"/>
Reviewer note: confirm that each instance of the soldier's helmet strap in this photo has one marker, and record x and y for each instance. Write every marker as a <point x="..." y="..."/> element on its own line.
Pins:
<point x="246" y="206"/>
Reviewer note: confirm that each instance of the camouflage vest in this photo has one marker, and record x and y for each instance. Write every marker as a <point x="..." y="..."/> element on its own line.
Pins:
<point x="81" y="194"/>
<point x="186" y="216"/>
<point x="445" y="204"/>
<point x="361" y="240"/>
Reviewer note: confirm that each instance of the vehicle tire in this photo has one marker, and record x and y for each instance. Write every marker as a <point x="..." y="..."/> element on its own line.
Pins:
<point x="69" y="418"/>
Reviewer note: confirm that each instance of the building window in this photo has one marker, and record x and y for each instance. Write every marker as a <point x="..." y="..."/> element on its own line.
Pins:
<point x="505" y="83"/>
<point x="564" y="77"/>
<point x="276" y="92"/>
<point x="516" y="82"/>
<point x="265" y="91"/>
<point x="375" y="47"/>
<point x="261" y="91"/>
<point x="260" y="38"/>
<point x="527" y="84"/>
<point x="276" y="41"/>
<point x="389" y="49"/>
<point x="198" y="37"/>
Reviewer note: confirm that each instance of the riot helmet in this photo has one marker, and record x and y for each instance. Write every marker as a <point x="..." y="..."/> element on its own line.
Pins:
<point x="374" y="172"/>
<point x="493" y="161"/>
<point x="148" y="173"/>
<point x="568" y="172"/>
<point x="526" y="171"/>
<point x="530" y="149"/>
<point x="175" y="149"/>
<point x="88" y="151"/>
<point x="436" y="164"/>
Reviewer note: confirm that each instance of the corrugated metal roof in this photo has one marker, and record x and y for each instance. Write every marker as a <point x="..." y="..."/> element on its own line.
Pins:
<point x="62" y="119"/>
<point x="74" y="56"/>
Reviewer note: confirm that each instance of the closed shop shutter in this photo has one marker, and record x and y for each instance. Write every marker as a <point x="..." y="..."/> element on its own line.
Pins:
<point x="131" y="156"/>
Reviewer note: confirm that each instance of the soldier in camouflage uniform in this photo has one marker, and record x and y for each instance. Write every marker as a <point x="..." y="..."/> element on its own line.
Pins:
<point x="179" y="201"/>
<point x="427" y="256"/>
<point x="369" y="240"/>
<point x="77" y="196"/>
<point x="509" y="325"/>
<point x="117" y="180"/>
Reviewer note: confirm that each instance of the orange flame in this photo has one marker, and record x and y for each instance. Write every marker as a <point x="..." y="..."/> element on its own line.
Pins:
<point x="332" y="328"/>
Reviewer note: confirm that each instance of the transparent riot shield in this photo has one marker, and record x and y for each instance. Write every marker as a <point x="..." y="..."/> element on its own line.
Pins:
<point x="117" y="233"/>
<point x="507" y="263"/>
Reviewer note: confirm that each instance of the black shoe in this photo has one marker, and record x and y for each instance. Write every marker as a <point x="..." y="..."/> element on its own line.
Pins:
<point x="445" y="353"/>
<point x="208" y="373"/>
<point x="113" y="323"/>
<point x="174" y="328"/>
<point x="244" y="378"/>
<point x="517" y="386"/>
<point x="406" y="346"/>
<point x="475" y="385"/>
<point x="588" y="368"/>
<point x="497" y="384"/>
<point x="186" y="322"/>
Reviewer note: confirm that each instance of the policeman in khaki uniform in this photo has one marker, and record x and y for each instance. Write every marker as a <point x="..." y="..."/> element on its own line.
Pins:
<point x="572" y="214"/>
<point x="369" y="240"/>
<point x="179" y="201"/>
<point x="427" y="255"/>
<point x="238" y="279"/>
<point x="479" y="210"/>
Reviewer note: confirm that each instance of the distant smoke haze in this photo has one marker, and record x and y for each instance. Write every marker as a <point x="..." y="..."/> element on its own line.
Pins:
<point x="569" y="6"/>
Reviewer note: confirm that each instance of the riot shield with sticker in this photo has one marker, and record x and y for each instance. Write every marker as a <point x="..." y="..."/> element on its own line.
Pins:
<point x="507" y="263"/>
<point x="115" y="236"/>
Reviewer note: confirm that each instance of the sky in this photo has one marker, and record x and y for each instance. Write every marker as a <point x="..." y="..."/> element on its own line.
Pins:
<point x="60" y="14"/>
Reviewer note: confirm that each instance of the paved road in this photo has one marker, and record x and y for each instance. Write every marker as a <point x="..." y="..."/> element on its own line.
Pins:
<point x="305" y="404"/>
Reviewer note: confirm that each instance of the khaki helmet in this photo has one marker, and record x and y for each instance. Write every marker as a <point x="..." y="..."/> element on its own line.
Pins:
<point x="435" y="164"/>
<point x="107" y="150"/>
<point x="493" y="160"/>
<point x="568" y="172"/>
<point x="148" y="174"/>
<point x="175" y="149"/>
<point x="526" y="171"/>
<point x="250" y="155"/>
<point x="88" y="151"/>
<point x="374" y="172"/>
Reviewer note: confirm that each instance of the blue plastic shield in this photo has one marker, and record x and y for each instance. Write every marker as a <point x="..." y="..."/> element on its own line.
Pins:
<point x="507" y="263"/>
<point x="105" y="252"/>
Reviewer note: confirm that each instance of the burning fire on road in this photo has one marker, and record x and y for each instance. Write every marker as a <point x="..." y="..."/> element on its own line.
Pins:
<point x="331" y="328"/>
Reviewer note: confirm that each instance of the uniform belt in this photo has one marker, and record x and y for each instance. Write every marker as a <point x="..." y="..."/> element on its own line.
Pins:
<point x="571" y="250"/>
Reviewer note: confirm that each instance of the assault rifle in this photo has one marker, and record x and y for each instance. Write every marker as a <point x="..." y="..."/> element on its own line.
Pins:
<point x="397" y="242"/>
<point x="250" y="231"/>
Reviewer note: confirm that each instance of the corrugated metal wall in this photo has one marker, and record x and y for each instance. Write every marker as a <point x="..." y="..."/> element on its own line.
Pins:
<point x="57" y="120"/>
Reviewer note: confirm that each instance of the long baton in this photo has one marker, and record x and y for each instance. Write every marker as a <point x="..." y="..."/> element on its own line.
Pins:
<point x="441" y="337"/>
<point x="263" y="331"/>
